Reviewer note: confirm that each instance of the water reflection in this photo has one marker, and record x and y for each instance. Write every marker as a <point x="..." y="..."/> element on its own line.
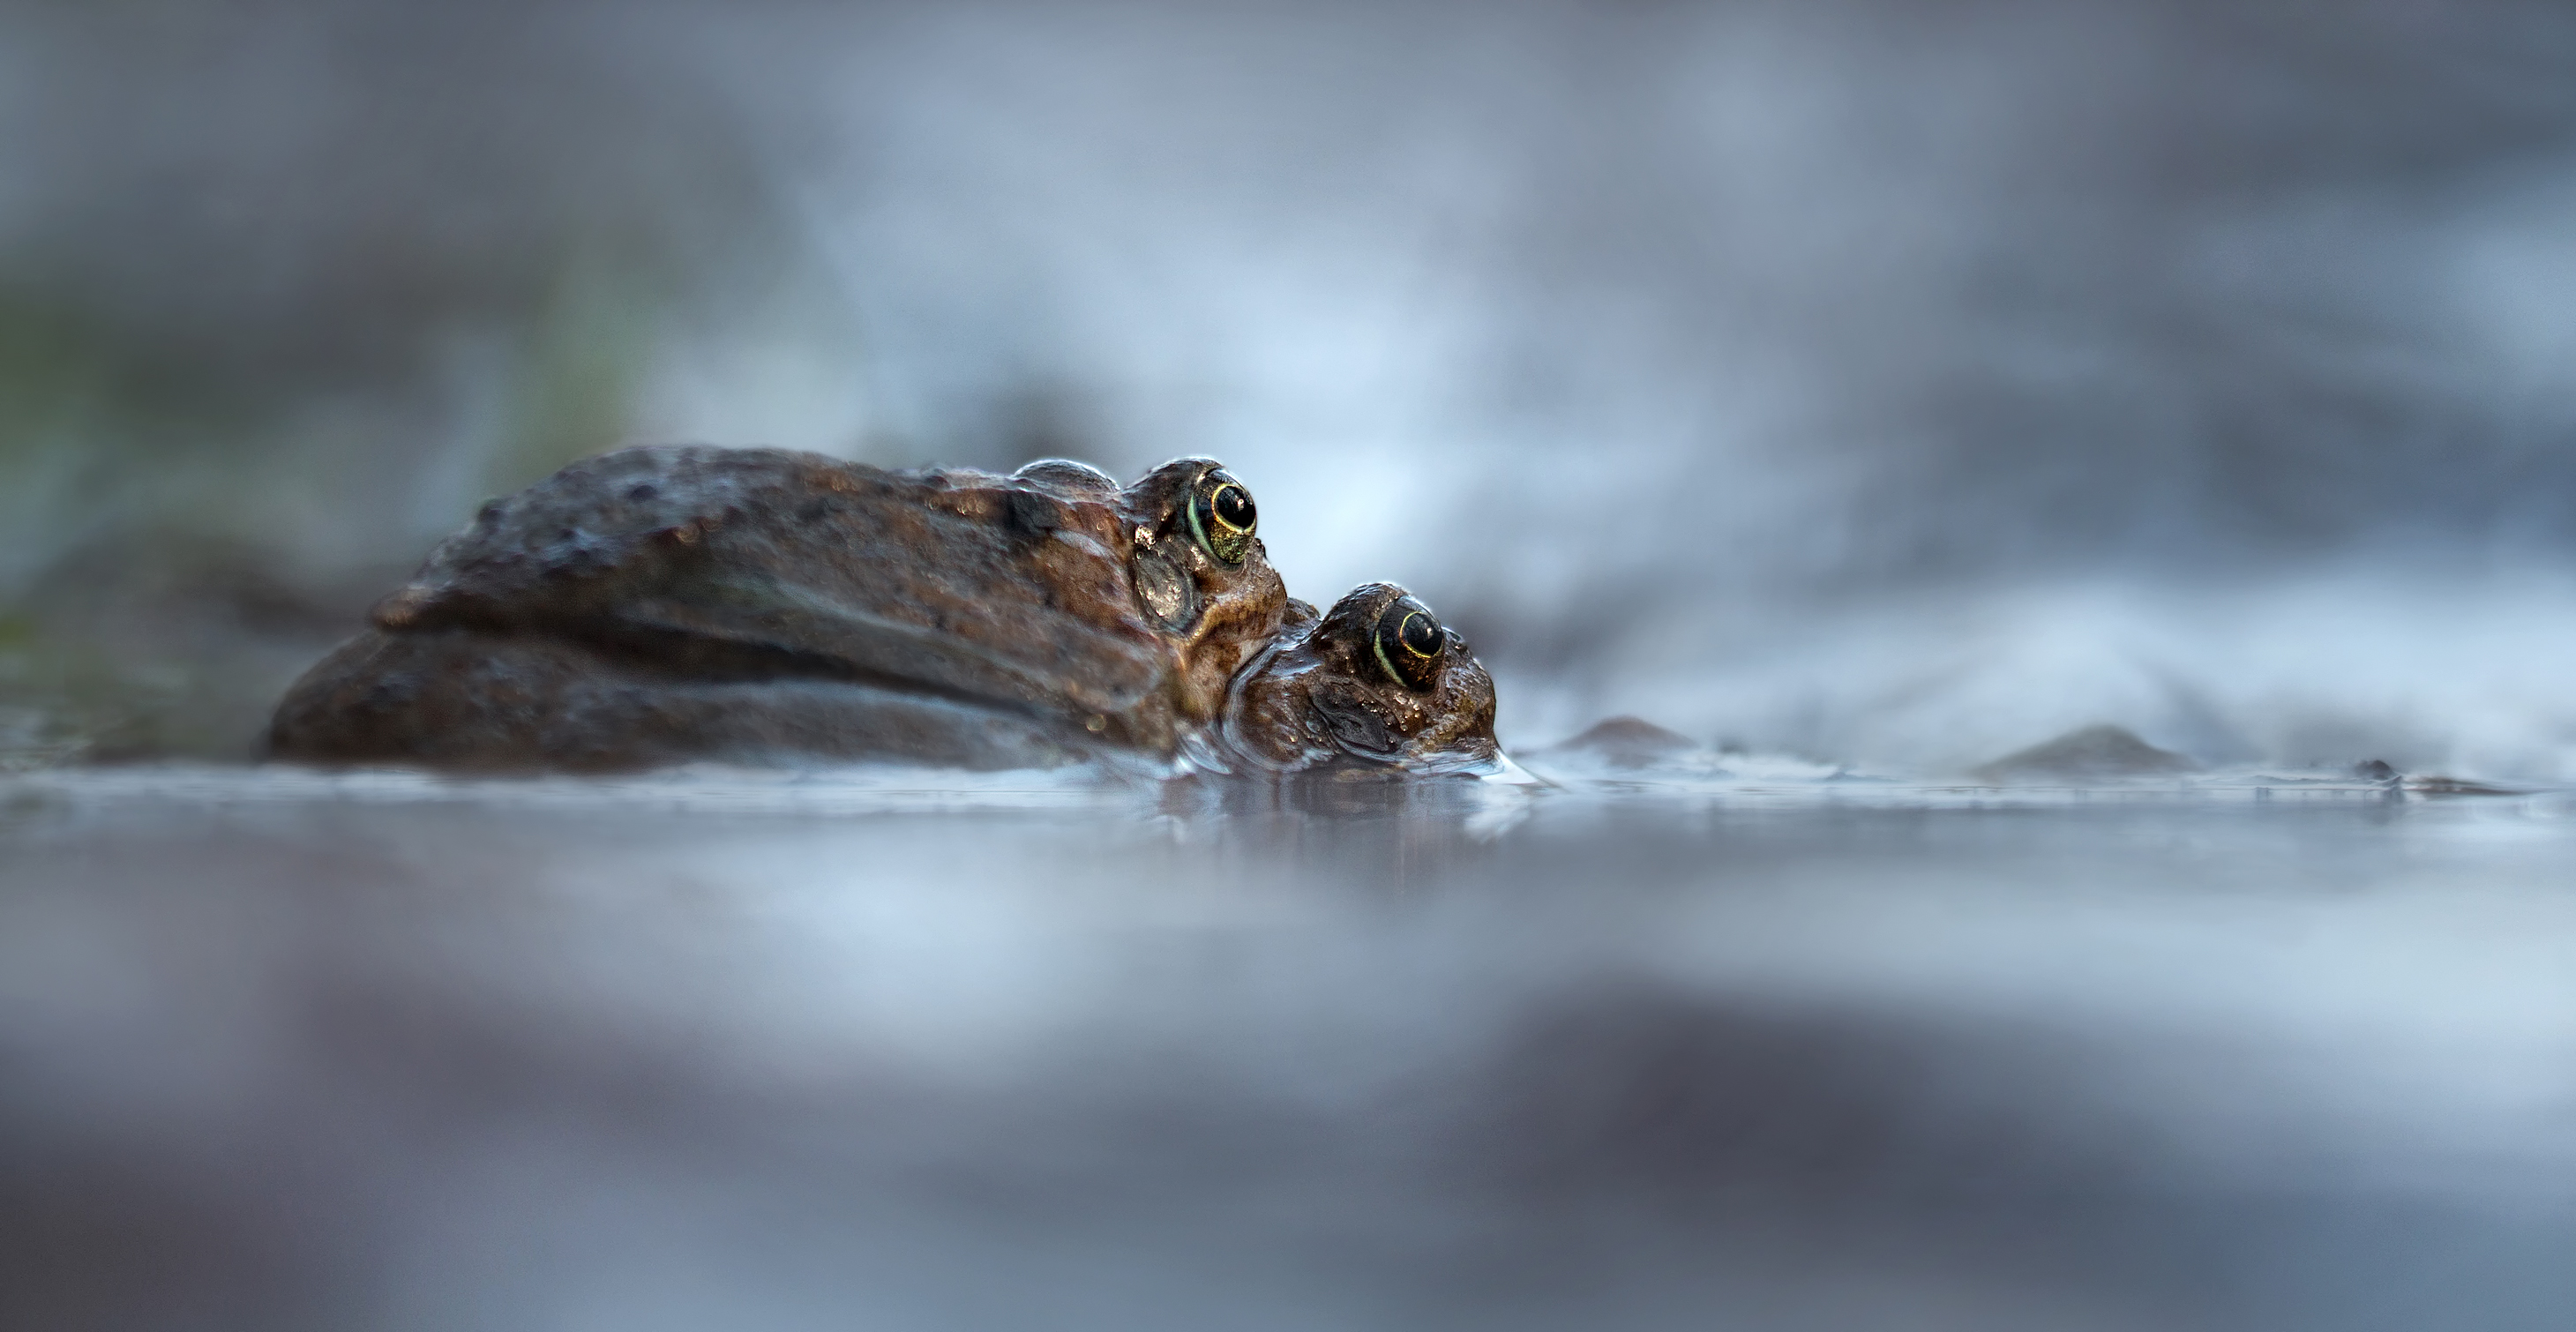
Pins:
<point x="288" y="1050"/>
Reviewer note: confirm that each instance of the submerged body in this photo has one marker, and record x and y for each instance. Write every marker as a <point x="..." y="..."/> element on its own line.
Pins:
<point x="661" y="605"/>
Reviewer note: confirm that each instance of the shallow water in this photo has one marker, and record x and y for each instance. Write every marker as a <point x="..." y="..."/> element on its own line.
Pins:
<point x="898" y="1050"/>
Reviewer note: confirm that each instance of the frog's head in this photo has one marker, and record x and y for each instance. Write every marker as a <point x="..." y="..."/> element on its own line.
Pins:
<point x="1200" y="574"/>
<point x="1376" y="679"/>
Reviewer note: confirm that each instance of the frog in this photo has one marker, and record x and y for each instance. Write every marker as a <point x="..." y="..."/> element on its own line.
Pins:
<point x="669" y="604"/>
<point x="1376" y="680"/>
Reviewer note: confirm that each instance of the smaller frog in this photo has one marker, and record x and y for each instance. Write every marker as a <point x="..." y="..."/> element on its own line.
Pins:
<point x="1377" y="680"/>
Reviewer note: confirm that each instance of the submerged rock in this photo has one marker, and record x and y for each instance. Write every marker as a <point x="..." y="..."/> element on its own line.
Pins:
<point x="1623" y="742"/>
<point x="2458" y="786"/>
<point x="2092" y="752"/>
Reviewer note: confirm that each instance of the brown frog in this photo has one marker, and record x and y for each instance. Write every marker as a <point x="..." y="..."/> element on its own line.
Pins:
<point x="658" y="605"/>
<point x="1376" y="679"/>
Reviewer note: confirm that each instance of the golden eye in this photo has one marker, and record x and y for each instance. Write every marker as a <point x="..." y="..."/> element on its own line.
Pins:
<point x="1222" y="516"/>
<point x="1409" y="643"/>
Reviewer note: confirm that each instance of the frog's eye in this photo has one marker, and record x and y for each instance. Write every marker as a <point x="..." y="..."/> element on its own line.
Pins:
<point x="1222" y="516"/>
<point x="1409" y="643"/>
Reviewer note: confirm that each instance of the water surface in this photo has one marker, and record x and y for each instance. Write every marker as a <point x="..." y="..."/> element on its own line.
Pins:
<point x="905" y="1051"/>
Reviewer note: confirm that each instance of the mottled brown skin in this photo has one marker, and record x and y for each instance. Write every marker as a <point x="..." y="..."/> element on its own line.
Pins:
<point x="1319" y="696"/>
<point x="661" y="604"/>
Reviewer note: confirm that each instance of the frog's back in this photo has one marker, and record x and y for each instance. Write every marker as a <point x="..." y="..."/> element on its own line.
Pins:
<point x="691" y="569"/>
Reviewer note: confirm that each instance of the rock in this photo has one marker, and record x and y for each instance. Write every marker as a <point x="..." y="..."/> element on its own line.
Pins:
<point x="1624" y="742"/>
<point x="2457" y="786"/>
<point x="2092" y="752"/>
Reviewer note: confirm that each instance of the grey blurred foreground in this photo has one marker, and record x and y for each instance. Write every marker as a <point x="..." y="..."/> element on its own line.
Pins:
<point x="281" y="1051"/>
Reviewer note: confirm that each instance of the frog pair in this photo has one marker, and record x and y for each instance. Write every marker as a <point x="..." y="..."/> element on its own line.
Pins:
<point x="660" y="605"/>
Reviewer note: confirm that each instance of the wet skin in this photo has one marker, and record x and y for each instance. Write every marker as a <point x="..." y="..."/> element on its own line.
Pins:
<point x="662" y="605"/>
<point x="1376" y="680"/>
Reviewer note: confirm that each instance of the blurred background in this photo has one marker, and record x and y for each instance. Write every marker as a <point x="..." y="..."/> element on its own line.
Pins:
<point x="1896" y="384"/>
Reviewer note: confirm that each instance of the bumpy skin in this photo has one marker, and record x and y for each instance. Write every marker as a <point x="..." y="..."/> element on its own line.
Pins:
<point x="661" y="604"/>
<point x="1319" y="697"/>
